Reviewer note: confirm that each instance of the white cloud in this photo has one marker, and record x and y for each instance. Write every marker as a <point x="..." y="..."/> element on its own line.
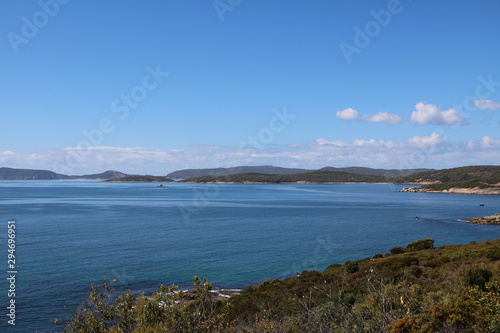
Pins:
<point x="347" y="114"/>
<point x="425" y="141"/>
<point x="486" y="143"/>
<point x="383" y="117"/>
<point x="371" y="143"/>
<point x="426" y="114"/>
<point x="430" y="151"/>
<point x="323" y="142"/>
<point x="483" y="104"/>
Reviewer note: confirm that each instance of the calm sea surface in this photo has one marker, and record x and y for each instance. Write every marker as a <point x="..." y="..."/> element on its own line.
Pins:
<point x="71" y="233"/>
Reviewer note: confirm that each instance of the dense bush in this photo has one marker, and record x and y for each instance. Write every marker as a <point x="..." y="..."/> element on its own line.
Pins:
<point x="397" y="250"/>
<point x="407" y="292"/>
<point x="351" y="267"/>
<point x="478" y="276"/>
<point x="423" y="244"/>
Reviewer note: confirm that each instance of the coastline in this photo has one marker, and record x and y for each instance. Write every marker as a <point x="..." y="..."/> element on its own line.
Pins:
<point x="492" y="219"/>
<point x="301" y="182"/>
<point x="456" y="190"/>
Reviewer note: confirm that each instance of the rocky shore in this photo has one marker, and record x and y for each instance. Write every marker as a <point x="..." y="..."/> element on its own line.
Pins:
<point x="412" y="189"/>
<point x="187" y="296"/>
<point x="493" y="219"/>
<point x="461" y="190"/>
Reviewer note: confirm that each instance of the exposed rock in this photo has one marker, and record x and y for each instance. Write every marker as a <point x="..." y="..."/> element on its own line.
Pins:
<point x="473" y="190"/>
<point x="412" y="189"/>
<point x="461" y="190"/>
<point x="493" y="219"/>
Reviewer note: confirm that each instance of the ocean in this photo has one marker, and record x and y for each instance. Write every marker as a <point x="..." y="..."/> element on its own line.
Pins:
<point x="72" y="233"/>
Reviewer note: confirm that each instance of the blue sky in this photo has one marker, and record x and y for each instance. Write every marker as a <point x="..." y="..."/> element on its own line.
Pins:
<point x="157" y="86"/>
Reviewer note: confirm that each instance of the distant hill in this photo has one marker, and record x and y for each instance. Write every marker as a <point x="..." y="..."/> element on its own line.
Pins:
<point x="272" y="170"/>
<point x="110" y="174"/>
<point x="376" y="172"/>
<point x="141" y="179"/>
<point x="28" y="174"/>
<point x="264" y="169"/>
<point x="308" y="177"/>
<point x="479" y="177"/>
<point x="454" y="174"/>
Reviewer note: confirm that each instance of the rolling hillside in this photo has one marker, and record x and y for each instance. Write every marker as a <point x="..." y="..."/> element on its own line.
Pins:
<point x="25" y="174"/>
<point x="28" y="174"/>
<point x="309" y="177"/>
<point x="141" y="179"/>
<point x="464" y="179"/>
<point x="264" y="169"/>
<point x="272" y="170"/>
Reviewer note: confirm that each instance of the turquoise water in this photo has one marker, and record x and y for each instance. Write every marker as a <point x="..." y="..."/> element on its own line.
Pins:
<point x="71" y="233"/>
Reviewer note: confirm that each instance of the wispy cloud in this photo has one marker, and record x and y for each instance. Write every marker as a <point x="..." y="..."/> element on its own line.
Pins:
<point x="383" y="117"/>
<point x="415" y="152"/>
<point x="486" y="104"/>
<point x="486" y="143"/>
<point x="426" y="114"/>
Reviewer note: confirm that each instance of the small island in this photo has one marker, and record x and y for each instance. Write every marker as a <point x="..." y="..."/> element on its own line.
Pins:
<point x="141" y="179"/>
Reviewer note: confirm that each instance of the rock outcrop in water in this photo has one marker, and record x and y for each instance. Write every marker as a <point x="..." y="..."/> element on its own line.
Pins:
<point x="461" y="190"/>
<point x="493" y="219"/>
<point x="412" y="189"/>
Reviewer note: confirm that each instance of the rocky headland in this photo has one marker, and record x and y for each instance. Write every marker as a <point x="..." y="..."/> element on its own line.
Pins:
<point x="461" y="190"/>
<point x="493" y="219"/>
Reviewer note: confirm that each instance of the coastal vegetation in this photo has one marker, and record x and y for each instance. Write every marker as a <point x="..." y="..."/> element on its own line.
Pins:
<point x="309" y="177"/>
<point x="480" y="177"/>
<point x="27" y="174"/>
<point x="471" y="179"/>
<point x="141" y="179"/>
<point x="272" y="170"/>
<point x="417" y="288"/>
<point x="266" y="169"/>
<point x="460" y="174"/>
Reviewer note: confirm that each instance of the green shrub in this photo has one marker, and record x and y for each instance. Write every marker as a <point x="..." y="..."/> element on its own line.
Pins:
<point x="393" y="294"/>
<point x="422" y="244"/>
<point x="493" y="254"/>
<point x="397" y="250"/>
<point x="478" y="276"/>
<point x="416" y="271"/>
<point x="433" y="263"/>
<point x="351" y="267"/>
